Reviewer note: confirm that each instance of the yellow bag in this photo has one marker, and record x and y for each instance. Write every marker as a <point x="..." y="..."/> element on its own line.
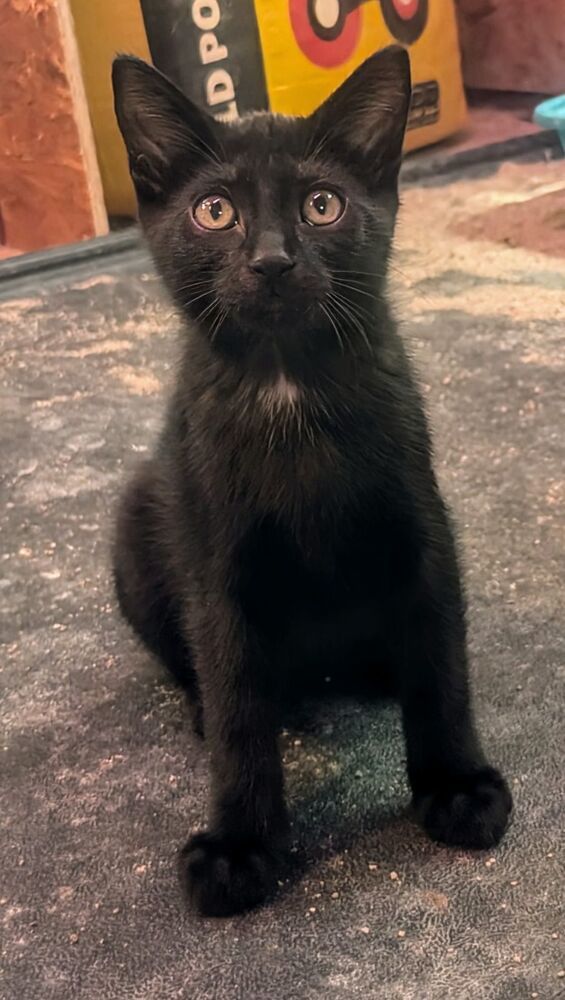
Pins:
<point x="311" y="46"/>
<point x="286" y="55"/>
<point x="103" y="28"/>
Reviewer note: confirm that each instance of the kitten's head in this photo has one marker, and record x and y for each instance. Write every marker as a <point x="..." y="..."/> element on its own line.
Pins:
<point x="272" y="233"/>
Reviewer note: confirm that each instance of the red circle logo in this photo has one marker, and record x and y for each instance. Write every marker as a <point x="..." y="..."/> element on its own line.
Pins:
<point x="325" y="34"/>
<point x="406" y="9"/>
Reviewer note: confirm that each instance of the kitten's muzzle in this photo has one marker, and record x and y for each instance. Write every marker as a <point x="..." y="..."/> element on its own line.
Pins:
<point x="272" y="264"/>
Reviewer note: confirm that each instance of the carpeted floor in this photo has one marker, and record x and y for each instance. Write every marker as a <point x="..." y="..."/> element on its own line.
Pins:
<point x="101" y="777"/>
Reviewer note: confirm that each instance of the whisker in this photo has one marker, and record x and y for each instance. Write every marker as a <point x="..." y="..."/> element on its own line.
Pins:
<point x="222" y="316"/>
<point x="311" y="154"/>
<point x="207" y="310"/>
<point x="190" y="302"/>
<point x="355" y="288"/>
<point x="203" y="147"/>
<point x="391" y="266"/>
<point x="337" y="333"/>
<point x="344" y="307"/>
<point x="353" y="270"/>
<point x="354" y="307"/>
<point x="363" y="314"/>
<point x="193" y="285"/>
<point x="328" y="135"/>
<point x="343" y="328"/>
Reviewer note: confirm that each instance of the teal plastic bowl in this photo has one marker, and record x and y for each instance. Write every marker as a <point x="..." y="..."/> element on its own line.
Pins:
<point x="551" y="114"/>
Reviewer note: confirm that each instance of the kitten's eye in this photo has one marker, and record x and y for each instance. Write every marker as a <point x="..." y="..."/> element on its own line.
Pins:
<point x="322" y="207"/>
<point x="215" y="212"/>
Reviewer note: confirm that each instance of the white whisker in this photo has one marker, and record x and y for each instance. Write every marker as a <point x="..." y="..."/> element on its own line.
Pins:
<point x="331" y="319"/>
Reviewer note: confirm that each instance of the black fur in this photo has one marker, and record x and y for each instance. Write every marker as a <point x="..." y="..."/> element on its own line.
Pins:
<point x="289" y="523"/>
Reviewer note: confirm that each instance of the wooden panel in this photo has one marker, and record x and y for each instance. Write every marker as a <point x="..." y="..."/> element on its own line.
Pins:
<point x="513" y="44"/>
<point x="50" y="189"/>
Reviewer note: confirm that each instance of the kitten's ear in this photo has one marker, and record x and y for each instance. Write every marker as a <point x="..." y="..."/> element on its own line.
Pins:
<point x="165" y="133"/>
<point x="366" y="117"/>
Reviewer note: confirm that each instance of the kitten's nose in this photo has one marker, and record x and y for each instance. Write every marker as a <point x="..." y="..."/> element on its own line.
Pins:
<point x="271" y="263"/>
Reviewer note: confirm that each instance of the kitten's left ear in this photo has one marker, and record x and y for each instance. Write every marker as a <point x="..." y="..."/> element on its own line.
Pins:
<point x="165" y="134"/>
<point x="366" y="117"/>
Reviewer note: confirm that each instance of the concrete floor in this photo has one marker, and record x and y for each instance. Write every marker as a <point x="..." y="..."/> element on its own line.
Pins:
<point x="101" y="777"/>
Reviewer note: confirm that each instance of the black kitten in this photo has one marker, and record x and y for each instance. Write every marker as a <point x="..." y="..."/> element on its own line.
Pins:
<point x="289" y="521"/>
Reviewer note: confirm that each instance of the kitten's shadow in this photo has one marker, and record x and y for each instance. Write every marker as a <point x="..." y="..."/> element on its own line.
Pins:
<point x="345" y="773"/>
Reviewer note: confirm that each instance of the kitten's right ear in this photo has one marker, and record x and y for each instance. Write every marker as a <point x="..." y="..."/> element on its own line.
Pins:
<point x="164" y="132"/>
<point x="365" y="117"/>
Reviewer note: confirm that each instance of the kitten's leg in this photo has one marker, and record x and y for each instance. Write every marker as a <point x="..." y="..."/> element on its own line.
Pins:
<point x="233" y="866"/>
<point x="143" y="589"/>
<point x="459" y="798"/>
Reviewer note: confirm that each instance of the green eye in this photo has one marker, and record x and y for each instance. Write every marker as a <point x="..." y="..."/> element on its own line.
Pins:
<point x="321" y="208"/>
<point x="215" y="212"/>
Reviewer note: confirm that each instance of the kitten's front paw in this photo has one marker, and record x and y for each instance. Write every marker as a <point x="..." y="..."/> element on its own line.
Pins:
<point x="224" y="876"/>
<point x="472" y="810"/>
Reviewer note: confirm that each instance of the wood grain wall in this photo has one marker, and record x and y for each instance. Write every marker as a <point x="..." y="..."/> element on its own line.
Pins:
<point x="50" y="189"/>
<point x="513" y="44"/>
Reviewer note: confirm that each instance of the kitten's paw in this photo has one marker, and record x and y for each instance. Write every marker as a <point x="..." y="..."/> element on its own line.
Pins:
<point x="224" y="876"/>
<point x="472" y="810"/>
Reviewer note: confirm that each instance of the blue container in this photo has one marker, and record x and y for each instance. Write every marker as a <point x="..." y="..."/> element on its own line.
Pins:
<point x="551" y="114"/>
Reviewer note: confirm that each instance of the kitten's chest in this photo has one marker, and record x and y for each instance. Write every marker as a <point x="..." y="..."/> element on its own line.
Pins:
<point x="287" y="465"/>
<point x="317" y="594"/>
<point x="296" y="486"/>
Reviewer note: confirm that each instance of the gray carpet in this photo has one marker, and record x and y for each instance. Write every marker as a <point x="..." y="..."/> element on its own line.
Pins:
<point x="101" y="777"/>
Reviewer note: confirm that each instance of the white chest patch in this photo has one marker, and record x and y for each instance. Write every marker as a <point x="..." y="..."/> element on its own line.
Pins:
<point x="280" y="396"/>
